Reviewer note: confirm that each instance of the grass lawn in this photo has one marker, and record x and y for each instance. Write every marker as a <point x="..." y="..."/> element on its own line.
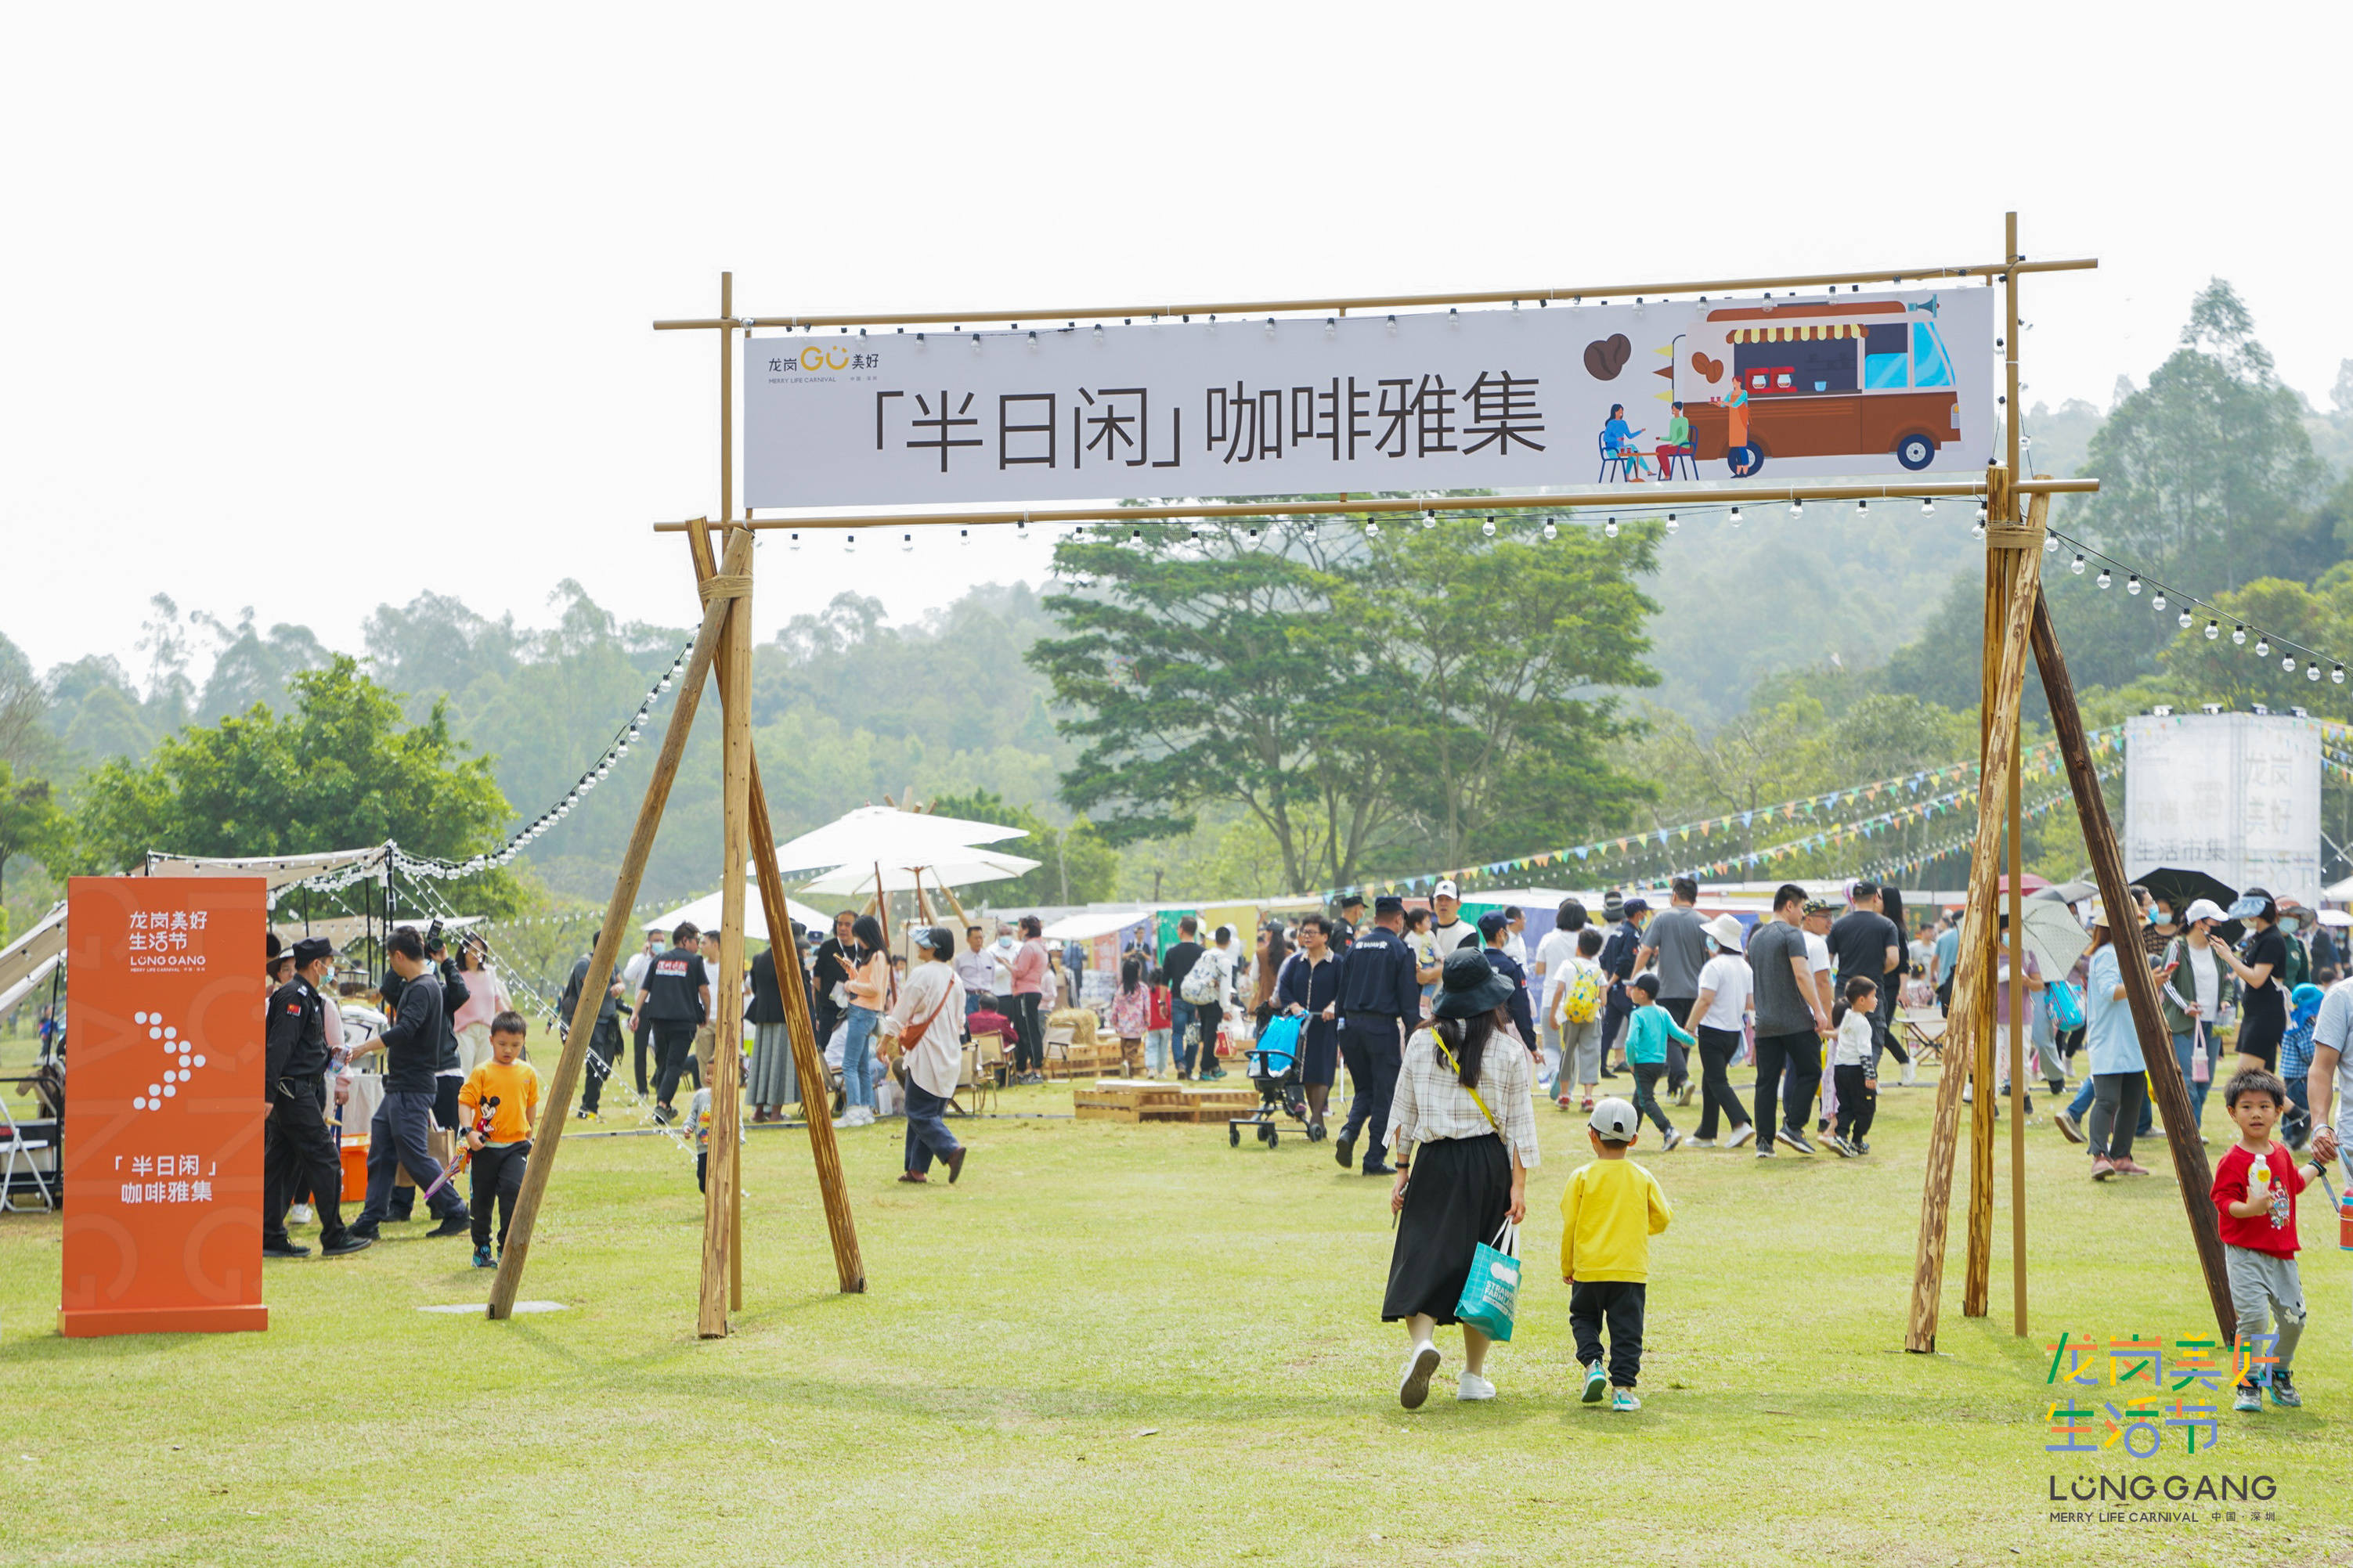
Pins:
<point x="1116" y="1344"/>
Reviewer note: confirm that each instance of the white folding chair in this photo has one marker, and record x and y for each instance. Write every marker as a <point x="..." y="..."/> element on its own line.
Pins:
<point x="18" y="1150"/>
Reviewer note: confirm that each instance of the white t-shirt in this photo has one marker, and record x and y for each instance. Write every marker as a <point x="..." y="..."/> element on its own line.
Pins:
<point x="2206" y="975"/>
<point x="1517" y="948"/>
<point x="1447" y="938"/>
<point x="1726" y="974"/>
<point x="1557" y="947"/>
<point x="1818" y="956"/>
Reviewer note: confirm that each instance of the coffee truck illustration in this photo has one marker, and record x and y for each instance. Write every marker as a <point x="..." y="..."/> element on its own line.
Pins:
<point x="1820" y="379"/>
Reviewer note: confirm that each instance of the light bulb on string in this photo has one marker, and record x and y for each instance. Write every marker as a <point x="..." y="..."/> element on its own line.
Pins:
<point x="849" y="544"/>
<point x="2184" y="620"/>
<point x="1428" y="520"/>
<point x="1488" y="528"/>
<point x="665" y="683"/>
<point x="1861" y="509"/>
<point x="1927" y="506"/>
<point x="1611" y="527"/>
<point x="2263" y="646"/>
<point x="2213" y="630"/>
<point x="2159" y="601"/>
<point x="1977" y="529"/>
<point x="1981" y="514"/>
<point x="1797" y="510"/>
<point x="1135" y="537"/>
<point x="2076" y="566"/>
<point x="2050" y="546"/>
<point x="2239" y="635"/>
<point x="1372" y="528"/>
<point x="2336" y="676"/>
<point x="964" y="536"/>
<point x="792" y="541"/>
<point x="2105" y="578"/>
<point x="2312" y="670"/>
<point x="906" y="542"/>
<point x="1736" y="517"/>
<point x="1672" y="524"/>
<point x="2132" y="584"/>
<point x="1551" y="529"/>
<point x="2287" y="661"/>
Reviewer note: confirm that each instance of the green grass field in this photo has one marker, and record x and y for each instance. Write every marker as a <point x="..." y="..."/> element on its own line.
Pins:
<point x="1114" y="1345"/>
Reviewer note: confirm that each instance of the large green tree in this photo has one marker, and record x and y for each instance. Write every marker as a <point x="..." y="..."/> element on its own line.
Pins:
<point x="30" y="823"/>
<point x="342" y="770"/>
<point x="1074" y="864"/>
<point x="1424" y="694"/>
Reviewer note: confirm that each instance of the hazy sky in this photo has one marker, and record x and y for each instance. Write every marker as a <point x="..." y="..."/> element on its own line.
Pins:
<point x="310" y="308"/>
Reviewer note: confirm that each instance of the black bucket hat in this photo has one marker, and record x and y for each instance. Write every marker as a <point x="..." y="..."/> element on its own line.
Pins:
<point x="1469" y="986"/>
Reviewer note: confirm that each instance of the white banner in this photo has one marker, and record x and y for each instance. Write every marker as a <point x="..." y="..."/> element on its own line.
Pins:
<point x="2233" y="794"/>
<point x="1859" y="383"/>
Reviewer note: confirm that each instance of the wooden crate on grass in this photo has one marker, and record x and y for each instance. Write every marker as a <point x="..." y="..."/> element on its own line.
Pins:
<point x="1137" y="1100"/>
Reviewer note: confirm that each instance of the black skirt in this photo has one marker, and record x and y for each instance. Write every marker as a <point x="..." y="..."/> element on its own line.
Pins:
<point x="1458" y="1195"/>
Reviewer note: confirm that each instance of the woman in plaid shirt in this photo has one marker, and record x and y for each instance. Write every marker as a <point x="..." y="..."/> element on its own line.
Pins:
<point x="1464" y="1134"/>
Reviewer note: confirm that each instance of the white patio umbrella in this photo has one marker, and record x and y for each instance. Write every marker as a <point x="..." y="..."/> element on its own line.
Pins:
<point x="2053" y="934"/>
<point x="885" y="834"/>
<point x="952" y="868"/>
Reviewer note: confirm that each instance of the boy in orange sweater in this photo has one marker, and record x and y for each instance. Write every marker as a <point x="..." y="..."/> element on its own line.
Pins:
<point x="1609" y="1212"/>
<point x="507" y="1084"/>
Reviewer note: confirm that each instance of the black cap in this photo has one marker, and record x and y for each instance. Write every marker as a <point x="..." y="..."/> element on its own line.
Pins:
<point x="271" y="947"/>
<point x="1351" y="900"/>
<point x="1389" y="904"/>
<point x="311" y="949"/>
<point x="1493" y="922"/>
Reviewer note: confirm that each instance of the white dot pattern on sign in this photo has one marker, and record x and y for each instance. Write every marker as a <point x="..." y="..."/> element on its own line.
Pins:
<point x="154" y="1033"/>
<point x="138" y="1018"/>
<point x="169" y="1090"/>
<point x="137" y="1103"/>
<point x="200" y="1061"/>
<point x="154" y="1089"/>
<point x="169" y="1031"/>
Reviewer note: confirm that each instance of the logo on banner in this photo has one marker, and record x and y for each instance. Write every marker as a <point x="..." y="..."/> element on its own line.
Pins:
<point x="181" y="1058"/>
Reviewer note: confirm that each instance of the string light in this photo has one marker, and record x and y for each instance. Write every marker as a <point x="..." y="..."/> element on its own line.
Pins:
<point x="1488" y="528"/>
<point x="2336" y="676"/>
<point x="2239" y="635"/>
<point x="1927" y="506"/>
<point x="2184" y="619"/>
<point x="2287" y="661"/>
<point x="2312" y="670"/>
<point x="1372" y="529"/>
<point x="2050" y="544"/>
<point x="2105" y="578"/>
<point x="2157" y="603"/>
<point x="2077" y="567"/>
<point x="1797" y="510"/>
<point x="1428" y="520"/>
<point x="1551" y="529"/>
<point x="1736" y="517"/>
<point x="2263" y="646"/>
<point x="2133" y="587"/>
<point x="1861" y="509"/>
<point x="1611" y="527"/>
<point x="2213" y="630"/>
<point x="1672" y="524"/>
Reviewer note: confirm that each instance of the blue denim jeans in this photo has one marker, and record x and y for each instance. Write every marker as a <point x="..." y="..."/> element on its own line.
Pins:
<point x="1180" y="1026"/>
<point x="2182" y="1043"/>
<point x="858" y="1063"/>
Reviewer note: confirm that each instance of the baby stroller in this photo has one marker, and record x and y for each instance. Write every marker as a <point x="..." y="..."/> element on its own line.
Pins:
<point x="1274" y="1073"/>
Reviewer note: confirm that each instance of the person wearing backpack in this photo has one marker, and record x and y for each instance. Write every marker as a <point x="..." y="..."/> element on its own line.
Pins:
<point x="1573" y="993"/>
<point x="1207" y="985"/>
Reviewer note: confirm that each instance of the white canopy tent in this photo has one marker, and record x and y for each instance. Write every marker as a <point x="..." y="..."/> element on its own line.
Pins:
<point x="704" y="913"/>
<point x="39" y="948"/>
<point x="277" y="870"/>
<point x="886" y="834"/>
<point x="1087" y="927"/>
<point x="30" y="982"/>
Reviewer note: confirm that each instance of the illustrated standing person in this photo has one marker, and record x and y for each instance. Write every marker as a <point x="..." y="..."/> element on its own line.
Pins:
<point x="1309" y="990"/>
<point x="2255" y="1190"/>
<point x="633" y="980"/>
<point x="400" y="1134"/>
<point x="930" y="1011"/>
<point x="1717" y="1013"/>
<point x="674" y="1001"/>
<point x="2118" y="1080"/>
<point x="1674" y="948"/>
<point x="604" y="1039"/>
<point x="1465" y="1139"/>
<point x="299" y="1154"/>
<point x="1790" y="1023"/>
<point x="869" y="993"/>
<point x="512" y="1092"/>
<point x="1736" y="450"/>
<point x="1609" y="1211"/>
<point x="1176" y="967"/>
<point x="773" y="1082"/>
<point x="1852" y="1059"/>
<point x="1380" y="999"/>
<point x="2263" y="1009"/>
<point x="1028" y="992"/>
<point x="486" y="998"/>
<point x="1648" y="1029"/>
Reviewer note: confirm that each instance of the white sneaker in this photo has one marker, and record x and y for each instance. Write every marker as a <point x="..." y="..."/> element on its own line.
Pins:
<point x="1671" y="1140"/>
<point x="1473" y="1387"/>
<point x="300" y="1215"/>
<point x="1743" y="1136"/>
<point x="1413" y="1385"/>
<point x="1701" y="1143"/>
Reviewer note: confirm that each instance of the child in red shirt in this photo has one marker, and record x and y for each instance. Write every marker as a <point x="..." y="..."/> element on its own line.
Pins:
<point x="1156" y="1025"/>
<point x="2254" y="1194"/>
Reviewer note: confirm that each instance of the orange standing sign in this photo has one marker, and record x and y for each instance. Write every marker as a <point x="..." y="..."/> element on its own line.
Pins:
<point x="162" y="1136"/>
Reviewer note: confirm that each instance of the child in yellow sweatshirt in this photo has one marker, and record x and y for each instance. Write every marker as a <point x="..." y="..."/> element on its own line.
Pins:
<point x="1609" y="1212"/>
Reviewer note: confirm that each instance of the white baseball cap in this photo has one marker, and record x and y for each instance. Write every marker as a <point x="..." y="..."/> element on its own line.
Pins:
<point x="1615" y="1120"/>
<point x="2203" y="910"/>
<point x="1445" y="890"/>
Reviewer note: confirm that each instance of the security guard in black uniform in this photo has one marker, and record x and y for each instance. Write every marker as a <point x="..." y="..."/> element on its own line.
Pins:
<point x="298" y="1154"/>
<point x="1380" y="1004"/>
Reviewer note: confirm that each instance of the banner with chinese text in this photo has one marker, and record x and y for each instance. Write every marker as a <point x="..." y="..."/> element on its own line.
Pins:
<point x="1891" y="382"/>
<point x="162" y="1136"/>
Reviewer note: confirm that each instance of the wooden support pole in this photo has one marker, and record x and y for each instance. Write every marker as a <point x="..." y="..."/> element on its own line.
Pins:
<point x="2190" y="1174"/>
<point x="1970" y="1017"/>
<point x="723" y="1168"/>
<point x="809" y="1065"/>
<point x="2001" y="566"/>
<point x="2017" y="1019"/>
<point x="963" y="918"/>
<point x="557" y="1111"/>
